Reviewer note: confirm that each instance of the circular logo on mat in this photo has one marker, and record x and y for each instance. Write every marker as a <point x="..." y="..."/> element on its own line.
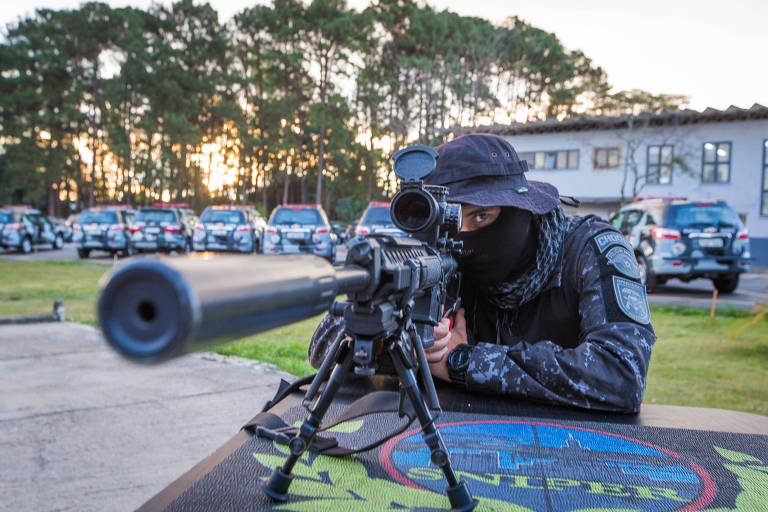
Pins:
<point x="545" y="466"/>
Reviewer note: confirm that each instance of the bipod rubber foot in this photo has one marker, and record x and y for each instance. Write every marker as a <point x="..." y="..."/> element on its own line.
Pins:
<point x="460" y="498"/>
<point x="277" y="487"/>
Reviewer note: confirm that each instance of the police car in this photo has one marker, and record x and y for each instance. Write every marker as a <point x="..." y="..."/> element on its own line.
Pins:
<point x="229" y="228"/>
<point x="104" y="228"/>
<point x="299" y="228"/>
<point x="163" y="228"/>
<point x="377" y="221"/>
<point x="678" y="238"/>
<point x="22" y="228"/>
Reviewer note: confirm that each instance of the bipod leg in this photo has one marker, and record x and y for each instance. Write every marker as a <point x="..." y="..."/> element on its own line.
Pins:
<point x="426" y="376"/>
<point x="457" y="491"/>
<point x="331" y="359"/>
<point x="277" y="486"/>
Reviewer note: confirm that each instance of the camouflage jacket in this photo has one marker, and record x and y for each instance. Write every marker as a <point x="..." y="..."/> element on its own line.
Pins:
<point x="585" y="340"/>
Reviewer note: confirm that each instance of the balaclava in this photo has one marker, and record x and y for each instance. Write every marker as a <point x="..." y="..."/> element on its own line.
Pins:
<point x="501" y="251"/>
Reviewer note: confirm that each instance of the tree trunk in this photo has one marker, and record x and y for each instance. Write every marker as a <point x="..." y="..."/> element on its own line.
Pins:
<point x="264" y="198"/>
<point x="286" y="185"/>
<point x="369" y="171"/>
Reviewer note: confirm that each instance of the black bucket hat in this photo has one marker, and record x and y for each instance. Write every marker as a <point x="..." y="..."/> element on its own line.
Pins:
<point x="484" y="170"/>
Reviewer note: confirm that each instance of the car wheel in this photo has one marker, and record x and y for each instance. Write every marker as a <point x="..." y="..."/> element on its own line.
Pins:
<point x="26" y="245"/>
<point x="647" y="277"/>
<point x="58" y="243"/>
<point x="726" y="284"/>
<point x="83" y="253"/>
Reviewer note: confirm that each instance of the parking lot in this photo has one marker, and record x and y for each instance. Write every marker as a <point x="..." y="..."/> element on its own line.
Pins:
<point x="68" y="253"/>
<point x="753" y="288"/>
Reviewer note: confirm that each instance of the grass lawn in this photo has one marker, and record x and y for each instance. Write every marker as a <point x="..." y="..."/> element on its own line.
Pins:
<point x="695" y="362"/>
<point x="702" y="364"/>
<point x="30" y="287"/>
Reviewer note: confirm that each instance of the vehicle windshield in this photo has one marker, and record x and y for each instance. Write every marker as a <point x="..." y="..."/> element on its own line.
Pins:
<point x="155" y="216"/>
<point x="98" y="218"/>
<point x="696" y="215"/>
<point x="377" y="215"/>
<point x="223" y="216"/>
<point x="5" y="217"/>
<point x="301" y="216"/>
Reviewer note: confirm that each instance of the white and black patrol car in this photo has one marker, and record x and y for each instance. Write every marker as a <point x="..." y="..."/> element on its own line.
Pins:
<point x="103" y="228"/>
<point x="376" y="220"/>
<point x="23" y="227"/>
<point x="299" y="228"/>
<point x="231" y="228"/>
<point x="163" y="228"/>
<point x="678" y="238"/>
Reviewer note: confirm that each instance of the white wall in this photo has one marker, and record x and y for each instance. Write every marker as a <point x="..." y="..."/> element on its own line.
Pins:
<point x="743" y="192"/>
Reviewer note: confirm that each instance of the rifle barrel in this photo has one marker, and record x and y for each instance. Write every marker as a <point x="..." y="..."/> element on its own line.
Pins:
<point x="153" y="309"/>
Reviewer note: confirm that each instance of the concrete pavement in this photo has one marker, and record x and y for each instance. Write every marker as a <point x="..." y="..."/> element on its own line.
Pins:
<point x="82" y="429"/>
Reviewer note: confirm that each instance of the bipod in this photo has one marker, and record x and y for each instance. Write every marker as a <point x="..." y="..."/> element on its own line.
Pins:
<point x="277" y="486"/>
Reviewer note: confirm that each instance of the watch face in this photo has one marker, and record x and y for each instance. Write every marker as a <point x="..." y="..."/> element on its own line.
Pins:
<point x="458" y="359"/>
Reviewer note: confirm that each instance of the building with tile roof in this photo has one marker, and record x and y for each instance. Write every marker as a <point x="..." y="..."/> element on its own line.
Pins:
<point x="708" y="155"/>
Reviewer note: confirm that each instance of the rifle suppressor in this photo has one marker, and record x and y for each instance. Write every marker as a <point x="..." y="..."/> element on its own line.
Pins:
<point x="154" y="309"/>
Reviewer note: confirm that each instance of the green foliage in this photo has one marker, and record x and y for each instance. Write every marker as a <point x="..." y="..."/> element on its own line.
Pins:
<point x="349" y="208"/>
<point x="105" y="105"/>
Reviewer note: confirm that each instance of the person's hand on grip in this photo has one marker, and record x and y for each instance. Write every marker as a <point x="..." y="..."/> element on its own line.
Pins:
<point x="446" y="339"/>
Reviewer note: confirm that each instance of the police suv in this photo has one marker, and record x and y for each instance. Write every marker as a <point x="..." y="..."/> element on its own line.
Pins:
<point x="104" y="228"/>
<point x="229" y="228"/>
<point x="22" y="227"/>
<point x="299" y="228"/>
<point x="376" y="220"/>
<point x="163" y="228"/>
<point x="677" y="238"/>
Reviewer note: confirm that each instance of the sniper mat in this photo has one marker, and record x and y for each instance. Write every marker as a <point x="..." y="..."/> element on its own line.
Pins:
<point x="510" y="464"/>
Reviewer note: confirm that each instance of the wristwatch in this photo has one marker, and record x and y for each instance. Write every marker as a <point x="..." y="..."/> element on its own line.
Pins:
<point x="457" y="363"/>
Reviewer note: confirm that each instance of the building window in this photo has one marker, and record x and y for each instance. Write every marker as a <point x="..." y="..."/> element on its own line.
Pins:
<point x="607" y="158"/>
<point x="717" y="162"/>
<point x="764" y="204"/>
<point x="659" y="165"/>
<point x="548" y="160"/>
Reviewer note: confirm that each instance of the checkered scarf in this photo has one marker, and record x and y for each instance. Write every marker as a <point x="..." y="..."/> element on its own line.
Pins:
<point x="551" y="228"/>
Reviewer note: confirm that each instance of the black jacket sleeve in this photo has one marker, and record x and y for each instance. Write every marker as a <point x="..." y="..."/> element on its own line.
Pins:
<point x="605" y="371"/>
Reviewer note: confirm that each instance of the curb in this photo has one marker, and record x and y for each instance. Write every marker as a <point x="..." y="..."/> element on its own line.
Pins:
<point x="57" y="315"/>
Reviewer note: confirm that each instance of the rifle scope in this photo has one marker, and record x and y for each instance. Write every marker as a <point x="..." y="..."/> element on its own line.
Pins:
<point x="151" y="310"/>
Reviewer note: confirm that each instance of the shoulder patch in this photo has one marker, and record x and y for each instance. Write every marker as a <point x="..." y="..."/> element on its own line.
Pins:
<point x="631" y="298"/>
<point x="622" y="259"/>
<point x="609" y="238"/>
